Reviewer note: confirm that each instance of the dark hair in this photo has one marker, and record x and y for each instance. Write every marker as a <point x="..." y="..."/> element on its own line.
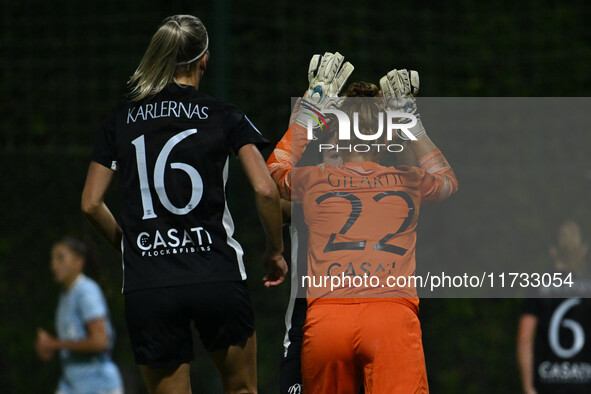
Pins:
<point x="327" y="136"/>
<point x="362" y="89"/>
<point x="366" y="104"/>
<point x="78" y="247"/>
<point x="365" y="108"/>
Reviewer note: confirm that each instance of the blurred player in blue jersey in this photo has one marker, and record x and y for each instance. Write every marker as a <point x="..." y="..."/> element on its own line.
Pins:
<point x="84" y="331"/>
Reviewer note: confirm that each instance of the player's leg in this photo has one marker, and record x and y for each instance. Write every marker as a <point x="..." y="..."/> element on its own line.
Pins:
<point x="167" y="380"/>
<point x="290" y="377"/>
<point x="391" y="349"/>
<point x="328" y="359"/>
<point x="237" y="367"/>
<point x="225" y="321"/>
<point x="160" y="333"/>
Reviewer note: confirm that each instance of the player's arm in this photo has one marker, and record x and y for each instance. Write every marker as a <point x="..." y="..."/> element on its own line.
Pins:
<point x="286" y="154"/>
<point x="286" y="210"/>
<point x="42" y="348"/>
<point x="93" y="205"/>
<point x="444" y="182"/>
<point x="525" y="351"/>
<point x="96" y="340"/>
<point x="269" y="210"/>
<point x="327" y="75"/>
<point x="399" y="88"/>
<point x="279" y="165"/>
<point x="406" y="157"/>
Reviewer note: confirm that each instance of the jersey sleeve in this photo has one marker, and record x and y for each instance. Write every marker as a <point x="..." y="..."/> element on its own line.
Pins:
<point x="286" y="154"/>
<point x="440" y="181"/>
<point x="104" y="146"/>
<point x="92" y="303"/>
<point x="243" y="132"/>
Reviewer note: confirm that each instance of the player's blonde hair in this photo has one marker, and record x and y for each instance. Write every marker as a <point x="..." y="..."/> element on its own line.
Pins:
<point x="179" y="42"/>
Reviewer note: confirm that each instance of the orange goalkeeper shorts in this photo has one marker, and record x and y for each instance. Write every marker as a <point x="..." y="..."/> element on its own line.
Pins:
<point x="378" y="343"/>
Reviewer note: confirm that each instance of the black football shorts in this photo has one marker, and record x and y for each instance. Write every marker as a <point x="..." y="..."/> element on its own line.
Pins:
<point x="159" y="320"/>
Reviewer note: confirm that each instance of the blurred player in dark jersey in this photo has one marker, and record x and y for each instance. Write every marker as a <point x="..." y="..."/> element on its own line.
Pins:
<point x="295" y="316"/>
<point x="171" y="145"/>
<point x="361" y="218"/>
<point x="554" y="334"/>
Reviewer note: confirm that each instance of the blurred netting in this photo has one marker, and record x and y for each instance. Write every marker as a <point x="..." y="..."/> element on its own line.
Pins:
<point x="64" y="64"/>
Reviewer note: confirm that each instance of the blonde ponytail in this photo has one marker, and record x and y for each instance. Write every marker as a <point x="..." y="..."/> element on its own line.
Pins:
<point x="180" y="41"/>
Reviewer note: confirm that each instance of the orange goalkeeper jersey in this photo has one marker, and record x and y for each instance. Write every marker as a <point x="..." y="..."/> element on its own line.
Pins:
<point x="361" y="219"/>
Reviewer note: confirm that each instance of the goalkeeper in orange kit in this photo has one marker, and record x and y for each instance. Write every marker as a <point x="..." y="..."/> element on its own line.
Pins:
<point x="361" y="218"/>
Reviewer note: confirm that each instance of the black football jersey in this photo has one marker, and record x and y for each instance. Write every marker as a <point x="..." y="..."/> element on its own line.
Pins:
<point x="172" y="151"/>
<point x="562" y="347"/>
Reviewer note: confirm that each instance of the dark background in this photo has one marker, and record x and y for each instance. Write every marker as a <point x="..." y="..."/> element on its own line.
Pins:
<point x="64" y="64"/>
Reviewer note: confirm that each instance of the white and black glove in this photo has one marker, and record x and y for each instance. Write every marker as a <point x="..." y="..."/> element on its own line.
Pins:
<point x="400" y="88"/>
<point x="327" y="74"/>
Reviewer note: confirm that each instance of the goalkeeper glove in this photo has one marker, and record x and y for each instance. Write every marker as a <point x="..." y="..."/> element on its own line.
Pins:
<point x="400" y="88"/>
<point x="327" y="74"/>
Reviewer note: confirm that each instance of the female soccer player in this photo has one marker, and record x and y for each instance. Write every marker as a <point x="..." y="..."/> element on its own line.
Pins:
<point x="84" y="331"/>
<point x="361" y="219"/>
<point x="553" y="347"/>
<point x="171" y="144"/>
<point x="291" y="376"/>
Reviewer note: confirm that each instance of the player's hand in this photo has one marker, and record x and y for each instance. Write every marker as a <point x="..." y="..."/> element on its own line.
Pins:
<point x="44" y="345"/>
<point x="277" y="267"/>
<point x="399" y="89"/>
<point x="327" y="74"/>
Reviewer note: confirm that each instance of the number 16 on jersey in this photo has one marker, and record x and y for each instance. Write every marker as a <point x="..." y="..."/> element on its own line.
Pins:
<point x="159" y="169"/>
